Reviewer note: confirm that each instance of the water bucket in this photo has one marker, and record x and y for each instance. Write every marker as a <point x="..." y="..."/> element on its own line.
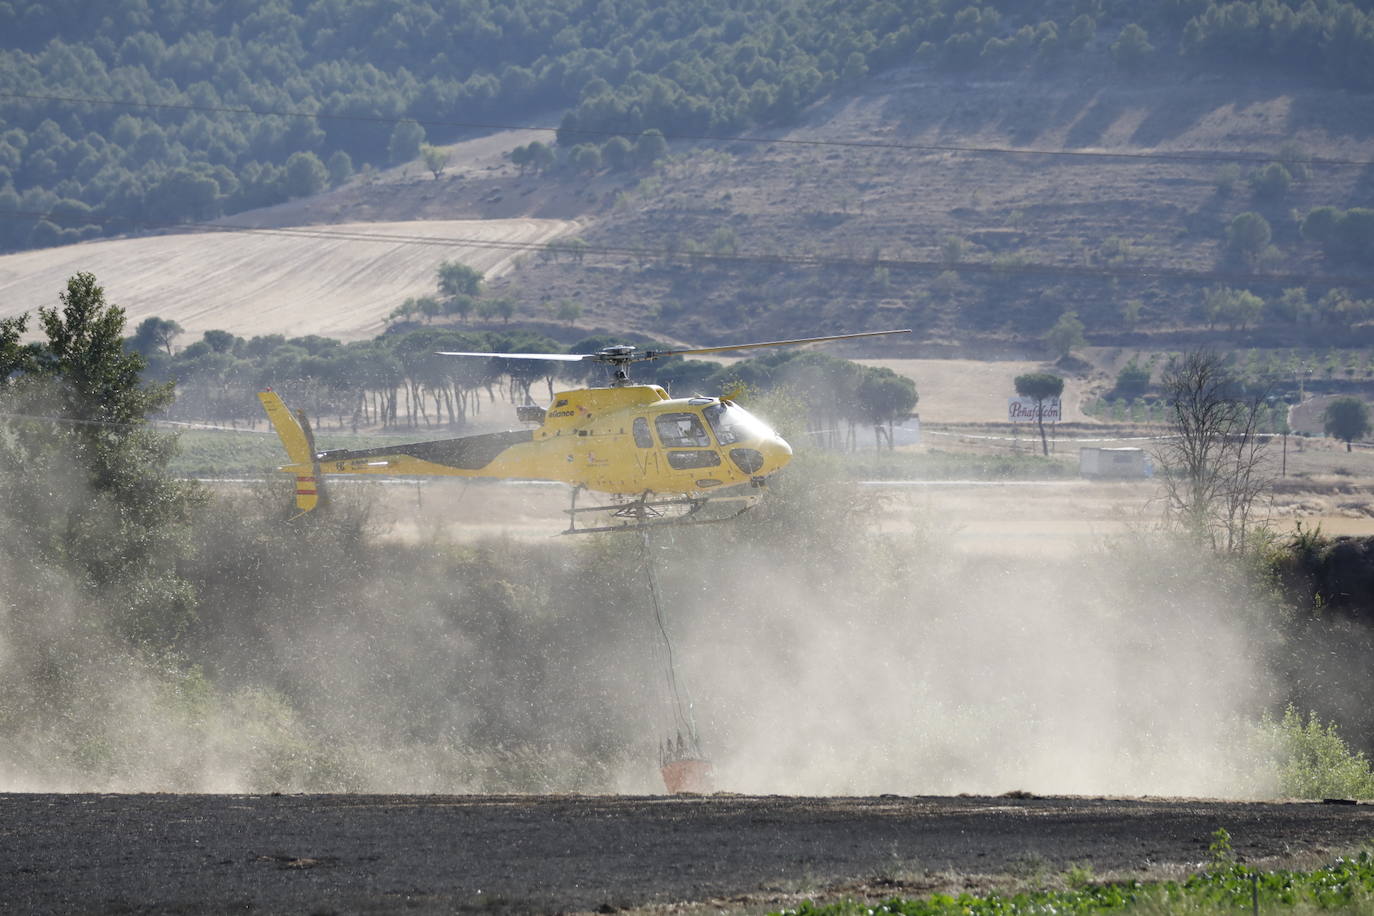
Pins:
<point x="687" y="777"/>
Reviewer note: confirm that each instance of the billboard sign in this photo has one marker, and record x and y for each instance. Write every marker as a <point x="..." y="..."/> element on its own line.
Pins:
<point x="1023" y="410"/>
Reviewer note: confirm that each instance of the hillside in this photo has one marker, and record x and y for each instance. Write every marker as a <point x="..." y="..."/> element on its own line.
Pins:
<point x="885" y="206"/>
<point x="896" y="204"/>
<point x="980" y="250"/>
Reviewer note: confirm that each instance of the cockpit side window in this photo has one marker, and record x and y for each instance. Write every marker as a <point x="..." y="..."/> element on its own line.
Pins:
<point x="640" y="429"/>
<point x="681" y="430"/>
<point x="721" y="425"/>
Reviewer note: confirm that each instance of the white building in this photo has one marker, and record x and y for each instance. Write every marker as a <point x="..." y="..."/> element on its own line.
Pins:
<point x="1114" y="462"/>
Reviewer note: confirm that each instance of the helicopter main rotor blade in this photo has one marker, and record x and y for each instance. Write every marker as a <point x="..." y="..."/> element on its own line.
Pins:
<point x="659" y="354"/>
<point x="561" y="357"/>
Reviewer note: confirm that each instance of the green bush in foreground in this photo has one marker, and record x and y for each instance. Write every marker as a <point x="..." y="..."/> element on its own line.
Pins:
<point x="1346" y="885"/>
<point x="1311" y="759"/>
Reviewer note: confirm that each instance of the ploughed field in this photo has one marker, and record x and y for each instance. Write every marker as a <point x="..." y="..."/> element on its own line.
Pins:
<point x="354" y="853"/>
<point x="337" y="281"/>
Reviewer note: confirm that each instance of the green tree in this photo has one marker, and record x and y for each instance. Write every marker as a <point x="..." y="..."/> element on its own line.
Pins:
<point x="1066" y="335"/>
<point x="220" y="341"/>
<point x="460" y="305"/>
<point x="340" y="166"/>
<point x="1346" y="419"/>
<point x="1132" y="48"/>
<point x="182" y="194"/>
<point x="436" y="159"/>
<point x="153" y="334"/>
<point x="502" y="307"/>
<point x="541" y="156"/>
<point x="884" y="397"/>
<point x="15" y="358"/>
<point x="1352" y="238"/>
<point x="458" y="279"/>
<point x="1248" y="235"/>
<point x="1042" y="387"/>
<point x="1293" y="306"/>
<point x="1271" y="183"/>
<point x="855" y="68"/>
<point x="585" y="158"/>
<point x="1236" y="308"/>
<point x="649" y="148"/>
<point x="1132" y="381"/>
<point x="429" y="306"/>
<point x="1319" y="225"/>
<point x="1341" y="310"/>
<point x="405" y="141"/>
<point x="306" y="175"/>
<point x="89" y="492"/>
<point x="405" y="311"/>
<point x="616" y="153"/>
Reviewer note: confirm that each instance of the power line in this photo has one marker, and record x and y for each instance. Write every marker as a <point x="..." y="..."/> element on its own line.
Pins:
<point x="917" y="265"/>
<point x="1179" y="156"/>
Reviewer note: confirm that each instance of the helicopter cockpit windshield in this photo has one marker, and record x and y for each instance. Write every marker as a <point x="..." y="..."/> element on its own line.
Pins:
<point x="732" y="424"/>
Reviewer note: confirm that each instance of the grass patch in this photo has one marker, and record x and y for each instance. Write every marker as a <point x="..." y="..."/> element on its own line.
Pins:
<point x="1346" y="885"/>
<point x="230" y="453"/>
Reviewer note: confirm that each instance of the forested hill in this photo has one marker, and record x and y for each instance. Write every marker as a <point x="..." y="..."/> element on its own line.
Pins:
<point x="197" y="108"/>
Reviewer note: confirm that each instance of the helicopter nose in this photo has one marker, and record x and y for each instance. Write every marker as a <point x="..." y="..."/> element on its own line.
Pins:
<point x="776" y="454"/>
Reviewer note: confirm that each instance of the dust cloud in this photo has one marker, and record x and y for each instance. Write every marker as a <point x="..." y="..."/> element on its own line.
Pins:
<point x="822" y="657"/>
<point x="1130" y="671"/>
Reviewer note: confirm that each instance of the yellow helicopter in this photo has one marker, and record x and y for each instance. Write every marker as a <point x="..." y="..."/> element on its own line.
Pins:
<point x="662" y="460"/>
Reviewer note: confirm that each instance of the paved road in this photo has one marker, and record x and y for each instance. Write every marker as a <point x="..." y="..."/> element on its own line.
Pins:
<point x="344" y="853"/>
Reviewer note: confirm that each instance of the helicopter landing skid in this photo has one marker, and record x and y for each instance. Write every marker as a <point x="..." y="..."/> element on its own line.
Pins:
<point x="643" y="512"/>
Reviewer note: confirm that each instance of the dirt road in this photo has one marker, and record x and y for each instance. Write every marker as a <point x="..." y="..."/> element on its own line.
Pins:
<point x="345" y="853"/>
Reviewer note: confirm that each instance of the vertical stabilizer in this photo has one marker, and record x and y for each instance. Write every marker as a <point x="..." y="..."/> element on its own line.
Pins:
<point x="299" y="448"/>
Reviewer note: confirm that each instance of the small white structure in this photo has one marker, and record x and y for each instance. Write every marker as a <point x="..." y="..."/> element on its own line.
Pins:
<point x="1114" y="462"/>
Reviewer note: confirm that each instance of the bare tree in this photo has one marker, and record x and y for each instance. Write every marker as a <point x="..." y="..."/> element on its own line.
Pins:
<point x="1215" y="466"/>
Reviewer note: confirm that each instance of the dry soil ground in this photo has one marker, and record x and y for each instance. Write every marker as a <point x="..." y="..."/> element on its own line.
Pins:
<point x="1031" y="518"/>
<point x="344" y="853"/>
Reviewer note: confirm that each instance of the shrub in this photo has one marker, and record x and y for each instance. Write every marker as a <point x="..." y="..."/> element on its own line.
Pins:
<point x="1311" y="760"/>
<point x="1132" y="381"/>
<point x="1271" y="183"/>
<point x="1248" y="235"/>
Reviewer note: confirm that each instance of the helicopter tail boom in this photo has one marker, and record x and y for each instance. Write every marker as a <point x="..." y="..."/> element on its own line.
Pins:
<point x="296" y="438"/>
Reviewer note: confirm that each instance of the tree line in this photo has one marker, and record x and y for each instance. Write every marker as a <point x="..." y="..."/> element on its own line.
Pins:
<point x="341" y="87"/>
<point x="398" y="380"/>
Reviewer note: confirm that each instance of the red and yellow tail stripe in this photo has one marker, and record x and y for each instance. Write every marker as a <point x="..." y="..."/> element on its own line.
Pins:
<point x="298" y="448"/>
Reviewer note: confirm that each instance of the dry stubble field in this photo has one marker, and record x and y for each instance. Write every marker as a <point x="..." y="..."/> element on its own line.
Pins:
<point x="337" y="281"/>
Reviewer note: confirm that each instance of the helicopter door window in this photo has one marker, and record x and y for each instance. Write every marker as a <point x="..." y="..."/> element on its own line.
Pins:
<point x="641" y="433"/>
<point x="697" y="458"/>
<point x="681" y="430"/>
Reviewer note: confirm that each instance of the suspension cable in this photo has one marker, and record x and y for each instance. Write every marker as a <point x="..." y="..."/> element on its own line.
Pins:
<point x="682" y="709"/>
